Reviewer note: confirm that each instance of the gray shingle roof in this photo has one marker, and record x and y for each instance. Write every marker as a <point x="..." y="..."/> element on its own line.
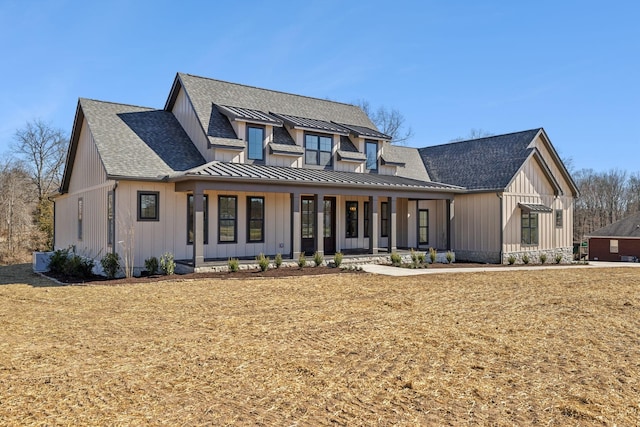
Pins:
<point x="204" y="92"/>
<point x="139" y="142"/>
<point x="626" y="227"/>
<point x="309" y="176"/>
<point x="479" y="164"/>
<point x="410" y="157"/>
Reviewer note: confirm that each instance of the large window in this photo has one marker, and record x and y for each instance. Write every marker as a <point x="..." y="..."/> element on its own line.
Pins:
<point x="148" y="209"/>
<point x="308" y="218"/>
<point x="558" y="218"/>
<point x="423" y="227"/>
<point x="384" y="219"/>
<point x="352" y="219"/>
<point x="366" y="219"/>
<point x="227" y="219"/>
<point x="371" y="150"/>
<point x="255" y="141"/>
<point x="317" y="150"/>
<point x="190" y="228"/>
<point x="80" y="203"/>
<point x="529" y="228"/>
<point x="111" y="225"/>
<point x="255" y="224"/>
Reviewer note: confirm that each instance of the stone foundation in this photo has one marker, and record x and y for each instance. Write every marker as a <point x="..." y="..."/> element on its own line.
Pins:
<point x="534" y="256"/>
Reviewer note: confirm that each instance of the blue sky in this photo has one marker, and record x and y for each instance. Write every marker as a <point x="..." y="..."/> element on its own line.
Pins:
<point x="572" y="67"/>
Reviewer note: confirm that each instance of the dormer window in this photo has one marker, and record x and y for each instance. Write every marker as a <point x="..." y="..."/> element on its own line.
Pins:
<point x="371" y="151"/>
<point x="318" y="150"/>
<point x="255" y="142"/>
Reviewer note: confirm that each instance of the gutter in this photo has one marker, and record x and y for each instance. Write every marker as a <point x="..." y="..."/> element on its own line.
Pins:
<point x="501" y="227"/>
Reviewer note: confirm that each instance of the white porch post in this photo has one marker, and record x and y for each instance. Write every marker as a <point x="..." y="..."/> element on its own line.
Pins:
<point x="198" y="227"/>
<point x="374" y="231"/>
<point x="296" y="231"/>
<point x="393" y="226"/>
<point x="320" y="223"/>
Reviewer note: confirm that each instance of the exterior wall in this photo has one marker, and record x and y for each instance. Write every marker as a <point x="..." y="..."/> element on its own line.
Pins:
<point x="475" y="229"/>
<point x="437" y="223"/>
<point x="599" y="248"/>
<point x="184" y="112"/>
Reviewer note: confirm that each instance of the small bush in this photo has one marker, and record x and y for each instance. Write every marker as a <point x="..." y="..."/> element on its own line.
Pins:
<point x="422" y="257"/>
<point x="263" y="262"/>
<point x="337" y="259"/>
<point x="57" y="261"/>
<point x="396" y="259"/>
<point x="414" y="257"/>
<point x="302" y="260"/>
<point x="318" y="259"/>
<point x="110" y="264"/>
<point x="559" y="258"/>
<point x="278" y="260"/>
<point x="511" y="260"/>
<point x="525" y="258"/>
<point x="234" y="264"/>
<point x="543" y="258"/>
<point x="432" y="255"/>
<point x="151" y="264"/>
<point x="449" y="257"/>
<point x="61" y="262"/>
<point x="167" y="264"/>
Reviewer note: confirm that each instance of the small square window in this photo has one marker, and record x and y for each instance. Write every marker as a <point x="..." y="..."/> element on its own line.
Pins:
<point x="148" y="206"/>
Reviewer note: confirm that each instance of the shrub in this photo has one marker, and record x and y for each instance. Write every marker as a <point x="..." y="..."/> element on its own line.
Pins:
<point x="432" y="255"/>
<point x="70" y="265"/>
<point x="278" y="260"/>
<point x="525" y="258"/>
<point x="234" y="264"/>
<point x="263" y="262"/>
<point x="151" y="264"/>
<point x="318" y="258"/>
<point x="449" y="257"/>
<point x="511" y="260"/>
<point x="414" y="257"/>
<point x="543" y="258"/>
<point x="302" y="260"/>
<point x="559" y="258"/>
<point x="337" y="259"/>
<point x="396" y="259"/>
<point x="57" y="261"/>
<point x="110" y="264"/>
<point x="422" y="257"/>
<point x="167" y="264"/>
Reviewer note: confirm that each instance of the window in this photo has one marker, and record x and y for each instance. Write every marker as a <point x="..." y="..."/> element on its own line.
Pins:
<point x="613" y="246"/>
<point x="255" y="141"/>
<point x="205" y="229"/>
<point x="227" y="219"/>
<point x="352" y="219"/>
<point x="558" y="218"/>
<point x="308" y="218"/>
<point x="366" y="219"/>
<point x="423" y="227"/>
<point x="529" y="228"/>
<point x="111" y="226"/>
<point x="318" y="150"/>
<point x="80" y="218"/>
<point x="384" y="219"/>
<point x="148" y="206"/>
<point x="255" y="224"/>
<point x="371" y="150"/>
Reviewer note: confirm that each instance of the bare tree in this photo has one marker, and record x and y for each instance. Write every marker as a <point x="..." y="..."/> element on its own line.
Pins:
<point x="43" y="149"/>
<point x="16" y="206"/>
<point x="388" y="121"/>
<point x="473" y="134"/>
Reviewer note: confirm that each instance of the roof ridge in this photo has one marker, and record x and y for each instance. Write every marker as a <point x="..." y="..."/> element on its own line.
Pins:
<point x="271" y="90"/>
<point x="484" y="137"/>
<point x="120" y="103"/>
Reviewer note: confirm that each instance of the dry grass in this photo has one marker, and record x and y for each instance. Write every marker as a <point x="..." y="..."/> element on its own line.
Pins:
<point x="559" y="347"/>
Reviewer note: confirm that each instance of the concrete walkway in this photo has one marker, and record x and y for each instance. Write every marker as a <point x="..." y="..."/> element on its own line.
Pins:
<point x="396" y="271"/>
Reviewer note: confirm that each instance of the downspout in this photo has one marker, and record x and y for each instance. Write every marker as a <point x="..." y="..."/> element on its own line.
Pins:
<point x="113" y="245"/>
<point x="501" y="228"/>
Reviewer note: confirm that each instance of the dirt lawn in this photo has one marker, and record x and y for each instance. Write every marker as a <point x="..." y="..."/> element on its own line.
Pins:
<point x="553" y="347"/>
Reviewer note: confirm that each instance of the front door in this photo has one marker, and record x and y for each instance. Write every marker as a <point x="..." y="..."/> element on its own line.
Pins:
<point x="308" y="221"/>
<point x="329" y="225"/>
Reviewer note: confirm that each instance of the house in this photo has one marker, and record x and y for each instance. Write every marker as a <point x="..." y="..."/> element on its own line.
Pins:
<point x="619" y="241"/>
<point x="228" y="170"/>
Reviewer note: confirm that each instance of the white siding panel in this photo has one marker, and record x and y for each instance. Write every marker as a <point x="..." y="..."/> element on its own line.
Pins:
<point x="88" y="170"/>
<point x="476" y="223"/>
<point x="184" y="112"/>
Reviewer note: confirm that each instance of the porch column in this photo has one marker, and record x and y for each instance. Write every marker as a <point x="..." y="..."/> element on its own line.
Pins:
<point x="374" y="231"/>
<point x="198" y="227"/>
<point x="448" y="224"/>
<point x="320" y="223"/>
<point x="296" y="231"/>
<point x="393" y="226"/>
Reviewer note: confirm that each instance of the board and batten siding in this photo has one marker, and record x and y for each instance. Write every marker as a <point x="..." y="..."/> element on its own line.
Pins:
<point x="186" y="115"/>
<point x="476" y="223"/>
<point x="437" y="223"/>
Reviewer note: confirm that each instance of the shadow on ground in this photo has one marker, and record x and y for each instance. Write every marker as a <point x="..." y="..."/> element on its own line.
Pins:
<point x="22" y="274"/>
